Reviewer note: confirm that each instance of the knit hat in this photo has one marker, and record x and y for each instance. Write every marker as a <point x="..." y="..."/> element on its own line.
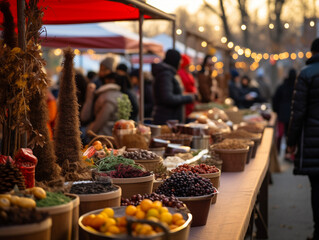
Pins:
<point x="234" y="73"/>
<point x="185" y="60"/>
<point x="172" y="58"/>
<point x="108" y="63"/>
<point x="122" y="67"/>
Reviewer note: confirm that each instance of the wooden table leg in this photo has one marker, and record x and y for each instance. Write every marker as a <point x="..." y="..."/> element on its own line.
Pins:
<point x="262" y="211"/>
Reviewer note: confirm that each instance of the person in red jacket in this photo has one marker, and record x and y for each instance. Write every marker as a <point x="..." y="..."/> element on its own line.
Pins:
<point x="188" y="81"/>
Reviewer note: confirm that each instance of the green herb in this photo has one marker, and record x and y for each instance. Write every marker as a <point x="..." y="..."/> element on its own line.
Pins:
<point x="53" y="199"/>
<point x="110" y="163"/>
<point x="124" y="107"/>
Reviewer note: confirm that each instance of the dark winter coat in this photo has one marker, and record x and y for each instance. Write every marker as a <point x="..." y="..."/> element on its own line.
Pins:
<point x="304" y="121"/>
<point x="243" y="102"/>
<point x="168" y="97"/>
<point x="282" y="98"/>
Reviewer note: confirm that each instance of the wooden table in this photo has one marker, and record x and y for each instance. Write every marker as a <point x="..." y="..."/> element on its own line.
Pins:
<point x="230" y="216"/>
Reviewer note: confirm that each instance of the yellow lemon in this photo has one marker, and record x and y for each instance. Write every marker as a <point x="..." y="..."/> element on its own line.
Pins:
<point x="166" y="217"/>
<point x="130" y="210"/>
<point x="152" y="213"/>
<point x="109" y="212"/>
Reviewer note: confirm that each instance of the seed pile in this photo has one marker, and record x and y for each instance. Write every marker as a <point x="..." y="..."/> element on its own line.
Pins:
<point x="140" y="155"/>
<point x="199" y="169"/>
<point x="17" y="216"/>
<point x="92" y="188"/>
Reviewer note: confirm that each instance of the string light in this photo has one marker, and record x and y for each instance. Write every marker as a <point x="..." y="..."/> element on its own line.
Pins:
<point x="235" y="56"/>
<point x="230" y="45"/>
<point x="266" y="56"/>
<point x="214" y="59"/>
<point x="57" y="52"/>
<point x="90" y="51"/>
<point x="198" y="68"/>
<point x="192" y="68"/>
<point x="223" y="39"/>
<point x="240" y="51"/>
<point x="271" y="26"/>
<point x="179" y="31"/>
<point x="204" y="44"/>
<point x="293" y="56"/>
<point x="275" y="57"/>
<point x="237" y="48"/>
<point x="201" y="29"/>
<point x="286" y="25"/>
<point x="312" y="23"/>
<point x="308" y="54"/>
<point x="217" y="28"/>
<point x="243" y="27"/>
<point x="301" y="54"/>
<point x="253" y="55"/>
<point x="77" y="52"/>
<point x="219" y="65"/>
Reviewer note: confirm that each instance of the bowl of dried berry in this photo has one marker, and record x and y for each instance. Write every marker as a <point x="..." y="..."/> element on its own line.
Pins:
<point x="193" y="190"/>
<point x="146" y="158"/>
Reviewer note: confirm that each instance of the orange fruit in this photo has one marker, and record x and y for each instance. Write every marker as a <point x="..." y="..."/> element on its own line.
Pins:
<point x="176" y="217"/>
<point x="98" y="221"/>
<point x="180" y="222"/>
<point x="146" y="229"/>
<point x="97" y="145"/>
<point x="163" y="209"/>
<point x="130" y="210"/>
<point x="87" y="220"/>
<point x="172" y="226"/>
<point x="146" y="204"/>
<point x="114" y="230"/>
<point x="166" y="217"/>
<point x="152" y="213"/>
<point x="122" y="229"/>
<point x="140" y="214"/>
<point x="109" y="212"/>
<point x="157" y="204"/>
<point x="110" y="222"/>
<point x="121" y="221"/>
<point x="154" y="219"/>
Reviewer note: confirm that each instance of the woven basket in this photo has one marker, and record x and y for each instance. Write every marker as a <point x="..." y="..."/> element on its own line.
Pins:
<point x="234" y="160"/>
<point x="132" y="186"/>
<point x="183" y="139"/>
<point x="150" y="164"/>
<point x="214" y="179"/>
<point x="108" y="141"/>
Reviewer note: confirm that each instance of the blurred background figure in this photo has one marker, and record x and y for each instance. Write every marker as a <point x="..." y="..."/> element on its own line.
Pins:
<point x="281" y="103"/>
<point x="205" y="80"/>
<point x="126" y="87"/>
<point x="263" y="86"/>
<point x="169" y="99"/>
<point x="248" y="95"/>
<point x="188" y="82"/>
<point x="91" y="76"/>
<point x="107" y="66"/>
<point x="234" y="86"/>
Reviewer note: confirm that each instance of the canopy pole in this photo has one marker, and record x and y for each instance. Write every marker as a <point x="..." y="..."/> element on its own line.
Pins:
<point x="140" y="30"/>
<point x="174" y="33"/>
<point x="22" y="45"/>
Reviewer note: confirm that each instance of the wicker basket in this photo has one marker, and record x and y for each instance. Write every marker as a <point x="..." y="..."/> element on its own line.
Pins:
<point x="132" y="186"/>
<point x="234" y="160"/>
<point x="214" y="179"/>
<point x="150" y="164"/>
<point x="108" y="141"/>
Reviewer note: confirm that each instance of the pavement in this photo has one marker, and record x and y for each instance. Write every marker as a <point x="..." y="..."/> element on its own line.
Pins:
<point x="290" y="215"/>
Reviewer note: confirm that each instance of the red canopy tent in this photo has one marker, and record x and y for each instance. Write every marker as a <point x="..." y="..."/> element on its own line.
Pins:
<point x="89" y="11"/>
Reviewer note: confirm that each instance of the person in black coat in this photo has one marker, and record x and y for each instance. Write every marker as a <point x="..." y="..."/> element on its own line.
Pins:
<point x="281" y="103"/>
<point x="168" y="97"/>
<point x="234" y="87"/>
<point x="248" y="95"/>
<point x="303" y="132"/>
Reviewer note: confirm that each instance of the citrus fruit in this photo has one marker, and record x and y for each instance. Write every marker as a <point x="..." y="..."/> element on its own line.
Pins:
<point x="176" y="217"/>
<point x="163" y="209"/>
<point x="97" y="222"/>
<point x="130" y="210"/>
<point x="154" y="219"/>
<point x="114" y="229"/>
<point x="152" y="213"/>
<point x="157" y="204"/>
<point x="166" y="217"/>
<point x="121" y="221"/>
<point x="180" y="222"/>
<point x="109" y="212"/>
<point x="140" y="214"/>
<point x="146" y="204"/>
<point x="146" y="229"/>
<point x="87" y="220"/>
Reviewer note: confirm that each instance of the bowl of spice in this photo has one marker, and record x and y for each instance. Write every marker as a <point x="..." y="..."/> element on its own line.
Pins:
<point x="146" y="158"/>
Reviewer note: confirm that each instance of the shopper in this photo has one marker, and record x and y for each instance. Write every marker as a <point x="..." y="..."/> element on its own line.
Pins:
<point x="248" y="95"/>
<point x="107" y="66"/>
<point x="303" y="133"/>
<point x="168" y="97"/>
<point x="281" y="104"/>
<point x="234" y="87"/>
<point x="205" y="80"/>
<point x="263" y="86"/>
<point x="188" y="81"/>
<point x="105" y="106"/>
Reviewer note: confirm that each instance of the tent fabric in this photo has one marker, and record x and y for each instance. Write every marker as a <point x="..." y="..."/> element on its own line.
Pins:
<point x="89" y="11"/>
<point x="101" y="37"/>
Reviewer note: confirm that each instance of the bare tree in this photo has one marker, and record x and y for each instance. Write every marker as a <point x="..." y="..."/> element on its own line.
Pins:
<point x="242" y="5"/>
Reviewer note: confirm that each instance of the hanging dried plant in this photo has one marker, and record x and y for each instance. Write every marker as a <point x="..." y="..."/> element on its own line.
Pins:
<point x="67" y="129"/>
<point x="8" y="34"/>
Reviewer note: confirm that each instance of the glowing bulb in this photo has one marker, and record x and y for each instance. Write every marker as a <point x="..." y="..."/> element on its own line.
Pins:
<point x="240" y="52"/>
<point x="91" y="51"/>
<point x="293" y="56"/>
<point x="253" y="55"/>
<point x="201" y="29"/>
<point x="237" y="48"/>
<point x="271" y="26"/>
<point x="57" y="52"/>
<point x="77" y="52"/>
<point x="204" y="44"/>
<point x="223" y="39"/>
<point x="217" y="28"/>
<point x="308" y="54"/>
<point x="312" y="23"/>
<point x="198" y="68"/>
<point x="235" y="56"/>
<point x="230" y="45"/>
<point x="286" y="25"/>
<point x="276" y="57"/>
<point x="243" y="27"/>
<point x="301" y="54"/>
<point x="179" y="31"/>
<point x="266" y="56"/>
<point x="214" y="59"/>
